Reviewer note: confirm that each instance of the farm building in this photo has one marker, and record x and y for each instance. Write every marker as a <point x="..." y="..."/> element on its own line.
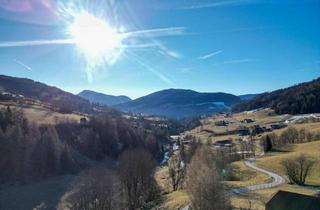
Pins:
<point x="284" y="200"/>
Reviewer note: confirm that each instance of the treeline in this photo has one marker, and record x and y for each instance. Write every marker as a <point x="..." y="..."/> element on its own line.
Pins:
<point x="291" y="135"/>
<point x="29" y="151"/>
<point x="299" y="99"/>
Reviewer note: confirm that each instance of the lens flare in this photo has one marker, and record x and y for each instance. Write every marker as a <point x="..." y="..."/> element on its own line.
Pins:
<point x="93" y="35"/>
<point x="100" y="43"/>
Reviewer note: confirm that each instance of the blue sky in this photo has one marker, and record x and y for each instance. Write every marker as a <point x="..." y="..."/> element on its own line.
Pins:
<point x="234" y="46"/>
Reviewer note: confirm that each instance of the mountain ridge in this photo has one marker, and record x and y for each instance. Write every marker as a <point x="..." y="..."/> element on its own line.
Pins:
<point x="180" y="103"/>
<point x="302" y="98"/>
<point x="102" y="98"/>
<point x="64" y="101"/>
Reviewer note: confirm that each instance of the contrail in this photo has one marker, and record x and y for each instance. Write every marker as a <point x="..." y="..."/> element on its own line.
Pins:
<point x="174" y="31"/>
<point x="36" y="42"/>
<point x="152" y="70"/>
<point x="22" y="64"/>
<point x="247" y="60"/>
<point x="63" y="42"/>
<point x="157" y="32"/>
<point x="210" y="55"/>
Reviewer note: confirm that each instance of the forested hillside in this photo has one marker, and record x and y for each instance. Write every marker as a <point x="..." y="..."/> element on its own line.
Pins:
<point x="63" y="101"/>
<point x="180" y="103"/>
<point x="30" y="152"/>
<point x="299" y="99"/>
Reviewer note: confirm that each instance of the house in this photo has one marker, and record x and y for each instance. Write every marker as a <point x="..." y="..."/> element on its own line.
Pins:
<point x="257" y="129"/>
<point x="278" y="125"/>
<point x="284" y="200"/>
<point x="223" y="143"/>
<point x="243" y="131"/>
<point x="222" y="123"/>
<point x="247" y="120"/>
<point x="83" y="120"/>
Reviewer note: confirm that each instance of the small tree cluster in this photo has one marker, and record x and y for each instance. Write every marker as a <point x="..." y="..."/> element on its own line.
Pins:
<point x="289" y="136"/>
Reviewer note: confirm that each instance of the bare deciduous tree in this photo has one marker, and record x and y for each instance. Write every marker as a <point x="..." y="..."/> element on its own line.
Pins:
<point x="176" y="171"/>
<point x="203" y="184"/>
<point x="94" y="189"/>
<point x="298" y="168"/>
<point x="136" y="173"/>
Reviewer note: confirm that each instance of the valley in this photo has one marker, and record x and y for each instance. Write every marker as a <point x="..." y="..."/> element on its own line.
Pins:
<point x="248" y="149"/>
<point x="159" y="105"/>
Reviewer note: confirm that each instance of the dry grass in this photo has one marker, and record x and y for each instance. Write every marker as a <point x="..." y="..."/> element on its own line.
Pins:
<point x="247" y="176"/>
<point x="42" y="115"/>
<point x="176" y="200"/>
<point x="260" y="197"/>
<point x="263" y="117"/>
<point x="171" y="200"/>
<point x="273" y="160"/>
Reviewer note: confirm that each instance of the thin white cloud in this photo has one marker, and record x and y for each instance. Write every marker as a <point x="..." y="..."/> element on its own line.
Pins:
<point x="170" y="53"/>
<point x="210" y="55"/>
<point x="35" y="43"/>
<point x="166" y="51"/>
<point x="247" y="60"/>
<point x="157" y="32"/>
<point x="62" y="42"/>
<point x="22" y="64"/>
<point x="221" y="3"/>
<point x="161" y="76"/>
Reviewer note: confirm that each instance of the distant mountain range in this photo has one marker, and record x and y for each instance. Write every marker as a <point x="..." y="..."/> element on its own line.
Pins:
<point x="180" y="103"/>
<point x="174" y="103"/>
<point x="60" y="99"/>
<point x="104" y="99"/>
<point x="299" y="99"/>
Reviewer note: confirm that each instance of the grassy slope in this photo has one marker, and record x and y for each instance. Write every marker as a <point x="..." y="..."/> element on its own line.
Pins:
<point x="263" y="118"/>
<point x="273" y="160"/>
<point x="247" y="176"/>
<point x="42" y="115"/>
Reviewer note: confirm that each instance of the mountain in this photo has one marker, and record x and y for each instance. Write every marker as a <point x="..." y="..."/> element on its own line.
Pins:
<point x="63" y="101"/>
<point x="247" y="96"/>
<point x="299" y="99"/>
<point x="104" y="99"/>
<point x="180" y="103"/>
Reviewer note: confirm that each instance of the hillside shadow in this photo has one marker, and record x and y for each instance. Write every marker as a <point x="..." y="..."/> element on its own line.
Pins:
<point x="45" y="194"/>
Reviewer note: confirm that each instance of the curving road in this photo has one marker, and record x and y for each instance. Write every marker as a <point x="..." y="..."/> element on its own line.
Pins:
<point x="276" y="179"/>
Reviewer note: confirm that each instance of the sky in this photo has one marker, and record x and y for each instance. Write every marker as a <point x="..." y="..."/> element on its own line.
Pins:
<point x="233" y="46"/>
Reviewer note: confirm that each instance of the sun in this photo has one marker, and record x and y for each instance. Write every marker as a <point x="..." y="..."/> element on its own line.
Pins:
<point x="93" y="35"/>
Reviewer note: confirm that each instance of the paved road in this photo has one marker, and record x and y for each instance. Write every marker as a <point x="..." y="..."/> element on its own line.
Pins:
<point x="276" y="179"/>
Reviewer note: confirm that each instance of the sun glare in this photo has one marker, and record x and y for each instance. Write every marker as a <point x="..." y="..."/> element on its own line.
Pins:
<point x="93" y="35"/>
